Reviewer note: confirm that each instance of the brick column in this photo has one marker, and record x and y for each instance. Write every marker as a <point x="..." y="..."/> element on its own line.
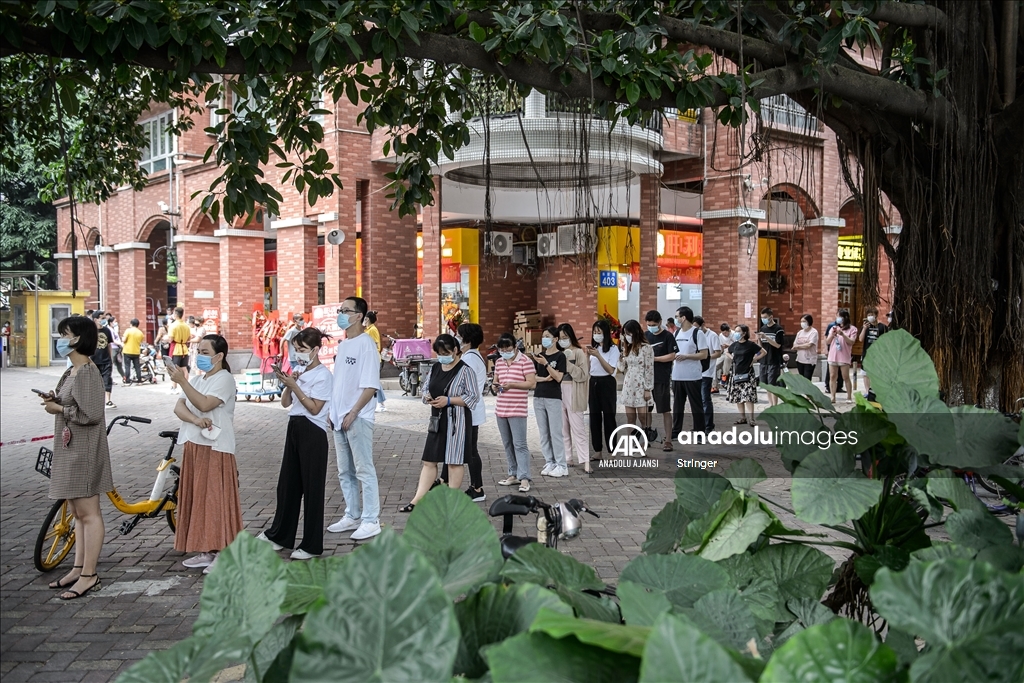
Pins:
<point x="129" y="288"/>
<point x="296" y="265"/>
<point x="432" y="324"/>
<point x="199" y="273"/>
<point x="241" y="283"/>
<point x="821" y="279"/>
<point x="650" y="207"/>
<point x="340" y="261"/>
<point x="566" y="295"/>
<point x="389" y="257"/>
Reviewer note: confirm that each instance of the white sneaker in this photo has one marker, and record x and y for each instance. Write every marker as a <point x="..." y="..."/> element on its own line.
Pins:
<point x="263" y="537"/>
<point x="200" y="560"/>
<point x="559" y="472"/>
<point x="383" y="407"/>
<point x="548" y="469"/>
<point x="344" y="524"/>
<point x="210" y="567"/>
<point x="366" y="530"/>
<point x="379" y="408"/>
<point x="300" y="554"/>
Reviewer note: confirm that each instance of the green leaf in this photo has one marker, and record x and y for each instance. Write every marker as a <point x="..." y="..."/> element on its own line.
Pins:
<point x="683" y="578"/>
<point x="940" y="550"/>
<point x="745" y="474"/>
<point x="983" y="438"/>
<point x="699" y="531"/>
<point x="789" y="397"/>
<point x="457" y="538"/>
<point x="633" y="92"/>
<point x="977" y="529"/>
<point x="273" y="654"/>
<point x="799" y="384"/>
<point x="869" y="428"/>
<point x="678" y="651"/>
<point x="600" y="608"/>
<point x="666" y="530"/>
<point x="306" y="581"/>
<point x="787" y="418"/>
<point x="736" y="532"/>
<point x="789" y="572"/>
<point x="641" y="606"/>
<point x="698" y="490"/>
<point x="494" y="613"/>
<point x="535" y="563"/>
<point x="903" y="644"/>
<point x="386" y="618"/>
<point x="945" y="485"/>
<point x="1009" y="558"/>
<point x="968" y="612"/>
<point x="889" y="556"/>
<point x="628" y="640"/>
<point x="924" y="421"/>
<point x="477" y="32"/>
<point x="242" y="596"/>
<point x="841" y="650"/>
<point x="827" y="489"/>
<point x="724" y="615"/>
<point x="897" y="360"/>
<point x="538" y="658"/>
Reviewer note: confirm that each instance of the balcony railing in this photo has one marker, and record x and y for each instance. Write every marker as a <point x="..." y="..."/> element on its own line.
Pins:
<point x="782" y="111"/>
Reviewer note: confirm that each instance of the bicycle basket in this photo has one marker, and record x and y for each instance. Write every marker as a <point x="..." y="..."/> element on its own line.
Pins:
<point x="44" y="461"/>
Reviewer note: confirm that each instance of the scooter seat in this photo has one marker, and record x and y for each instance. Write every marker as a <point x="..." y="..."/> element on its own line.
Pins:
<point x="510" y="505"/>
<point x="510" y="544"/>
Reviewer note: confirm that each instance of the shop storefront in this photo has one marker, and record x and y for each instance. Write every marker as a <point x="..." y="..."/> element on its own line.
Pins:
<point x="460" y="264"/>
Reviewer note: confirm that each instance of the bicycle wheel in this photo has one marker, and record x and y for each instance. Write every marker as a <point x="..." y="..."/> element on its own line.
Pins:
<point x="1016" y="460"/>
<point x="56" y="537"/>
<point x="172" y="515"/>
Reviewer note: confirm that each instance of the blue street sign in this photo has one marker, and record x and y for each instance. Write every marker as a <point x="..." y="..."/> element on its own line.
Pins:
<point x="609" y="278"/>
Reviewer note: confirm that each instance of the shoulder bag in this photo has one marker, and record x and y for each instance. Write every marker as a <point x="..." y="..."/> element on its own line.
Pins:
<point x="434" y="424"/>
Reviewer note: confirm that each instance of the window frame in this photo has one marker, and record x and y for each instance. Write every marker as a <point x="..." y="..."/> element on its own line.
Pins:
<point x="163" y="121"/>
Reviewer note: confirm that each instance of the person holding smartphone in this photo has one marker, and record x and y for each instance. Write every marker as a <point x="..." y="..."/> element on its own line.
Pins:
<point x="547" y="403"/>
<point x="514" y="376"/>
<point x="604" y="358"/>
<point x="303" y="477"/>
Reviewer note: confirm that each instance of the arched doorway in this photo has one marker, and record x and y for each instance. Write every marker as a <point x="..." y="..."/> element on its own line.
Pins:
<point x="161" y="272"/>
<point x="781" y="249"/>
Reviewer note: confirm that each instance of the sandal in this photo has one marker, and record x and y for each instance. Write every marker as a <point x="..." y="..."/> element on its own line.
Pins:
<point x="742" y="421"/>
<point x="74" y="595"/>
<point x="58" y="584"/>
<point x="666" y="445"/>
<point x="408" y="507"/>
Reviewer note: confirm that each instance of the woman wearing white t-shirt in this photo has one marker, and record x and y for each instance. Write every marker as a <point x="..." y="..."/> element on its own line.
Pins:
<point x="303" y="475"/>
<point x="209" y="511"/>
<point x="604" y="359"/>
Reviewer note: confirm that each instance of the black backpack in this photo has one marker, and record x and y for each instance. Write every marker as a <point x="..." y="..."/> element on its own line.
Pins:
<point x="705" y="363"/>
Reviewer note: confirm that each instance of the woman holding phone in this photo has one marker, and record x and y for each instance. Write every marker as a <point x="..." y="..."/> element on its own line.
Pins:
<point x="303" y="475"/>
<point x="80" y="470"/>
<point x="604" y="359"/>
<point x="209" y="510"/>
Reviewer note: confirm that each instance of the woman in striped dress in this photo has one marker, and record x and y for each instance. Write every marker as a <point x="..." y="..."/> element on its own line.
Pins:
<point x="452" y="393"/>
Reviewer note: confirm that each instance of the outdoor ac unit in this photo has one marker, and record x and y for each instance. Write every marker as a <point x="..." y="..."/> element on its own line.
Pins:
<point x="576" y="239"/>
<point x="547" y="245"/>
<point x="524" y="254"/>
<point x="501" y="243"/>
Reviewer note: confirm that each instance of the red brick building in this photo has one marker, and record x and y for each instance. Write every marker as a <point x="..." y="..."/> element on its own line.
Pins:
<point x="658" y="209"/>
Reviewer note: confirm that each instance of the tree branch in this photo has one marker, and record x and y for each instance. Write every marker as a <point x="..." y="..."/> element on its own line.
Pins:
<point x="907" y="14"/>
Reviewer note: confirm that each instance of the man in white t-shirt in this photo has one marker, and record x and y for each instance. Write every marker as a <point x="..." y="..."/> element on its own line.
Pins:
<point x="687" y="371"/>
<point x="356" y="379"/>
<point x="708" y="376"/>
<point x="723" y="366"/>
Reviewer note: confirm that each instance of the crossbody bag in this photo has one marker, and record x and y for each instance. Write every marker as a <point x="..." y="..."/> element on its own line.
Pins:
<point x="434" y="424"/>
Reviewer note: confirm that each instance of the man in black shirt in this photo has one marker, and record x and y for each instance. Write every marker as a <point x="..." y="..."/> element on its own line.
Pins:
<point x="772" y="338"/>
<point x="663" y="343"/>
<point x="870" y="331"/>
<point x="103" y="358"/>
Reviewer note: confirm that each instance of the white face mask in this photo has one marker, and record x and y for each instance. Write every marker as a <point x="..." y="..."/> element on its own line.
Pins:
<point x="872" y="319"/>
<point x="564" y="343"/>
<point x="598" y="338"/>
<point x="629" y="338"/>
<point x="303" y="357"/>
<point x="804" y="324"/>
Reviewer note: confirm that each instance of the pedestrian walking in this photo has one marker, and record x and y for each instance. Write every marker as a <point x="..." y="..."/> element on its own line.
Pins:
<point x="80" y="470"/>
<point x="116" y="348"/>
<point x="470" y="336"/>
<point x="133" y="341"/>
<point x="806" y="345"/>
<point x="547" y="403"/>
<point x="452" y="393"/>
<point x="742" y="389"/>
<point x="103" y="358"/>
<point x="772" y="338"/>
<point x="575" y="396"/>
<point x="707" y="377"/>
<point x="723" y="366"/>
<point x="663" y="344"/>
<point x="356" y="380"/>
<point x="514" y="375"/>
<point x="180" y="335"/>
<point x="209" y="508"/>
<point x="604" y="359"/>
<point x="636" y="363"/>
<point x="303" y="477"/>
<point x="840" y="352"/>
<point x="687" y="369"/>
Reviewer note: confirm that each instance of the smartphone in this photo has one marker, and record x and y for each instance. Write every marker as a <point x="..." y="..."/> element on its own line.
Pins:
<point x="41" y="393"/>
<point x="277" y="368"/>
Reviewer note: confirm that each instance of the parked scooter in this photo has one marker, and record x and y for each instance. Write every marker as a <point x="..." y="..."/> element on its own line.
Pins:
<point x="412" y="366"/>
<point x="561" y="521"/>
<point x="492" y="357"/>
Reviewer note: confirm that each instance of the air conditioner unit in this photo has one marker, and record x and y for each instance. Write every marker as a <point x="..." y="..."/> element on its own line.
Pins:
<point x="524" y="254"/>
<point x="547" y="245"/>
<point x="501" y="243"/>
<point x="576" y="239"/>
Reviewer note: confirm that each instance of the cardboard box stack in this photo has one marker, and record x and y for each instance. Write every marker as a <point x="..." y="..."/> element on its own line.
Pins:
<point x="526" y="326"/>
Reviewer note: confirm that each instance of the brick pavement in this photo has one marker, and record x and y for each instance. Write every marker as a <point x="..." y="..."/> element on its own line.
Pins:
<point x="149" y="600"/>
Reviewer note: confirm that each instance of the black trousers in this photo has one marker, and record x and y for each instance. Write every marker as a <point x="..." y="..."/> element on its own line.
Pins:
<point x="472" y="460"/>
<point x="681" y="391"/>
<point x="303" y="476"/>
<point x="806" y="369"/>
<point x="705" y="399"/>
<point x="603" y="392"/>
<point x="131" y="360"/>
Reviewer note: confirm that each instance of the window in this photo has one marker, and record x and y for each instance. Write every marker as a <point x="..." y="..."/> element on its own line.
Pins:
<point x="318" y="102"/>
<point x="781" y="110"/>
<point x="160" y="147"/>
<point x="251" y="103"/>
<point x="219" y="103"/>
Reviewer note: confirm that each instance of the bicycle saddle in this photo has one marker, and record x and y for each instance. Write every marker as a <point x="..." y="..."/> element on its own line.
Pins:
<point x="170" y="434"/>
<point x="512" y="505"/>
<point x="510" y="544"/>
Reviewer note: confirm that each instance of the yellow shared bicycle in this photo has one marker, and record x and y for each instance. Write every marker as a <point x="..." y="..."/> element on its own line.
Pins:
<point x="57" y="536"/>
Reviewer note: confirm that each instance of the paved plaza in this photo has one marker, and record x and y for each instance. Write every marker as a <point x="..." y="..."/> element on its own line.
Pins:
<point x="149" y="600"/>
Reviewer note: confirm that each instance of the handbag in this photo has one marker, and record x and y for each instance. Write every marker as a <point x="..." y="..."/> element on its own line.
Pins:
<point x="742" y="377"/>
<point x="434" y="423"/>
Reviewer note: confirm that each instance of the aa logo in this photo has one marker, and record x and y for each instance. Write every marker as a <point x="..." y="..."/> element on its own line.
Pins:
<point x="629" y="441"/>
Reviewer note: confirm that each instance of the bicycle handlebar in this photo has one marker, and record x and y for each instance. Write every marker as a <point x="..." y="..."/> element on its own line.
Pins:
<point x="143" y="420"/>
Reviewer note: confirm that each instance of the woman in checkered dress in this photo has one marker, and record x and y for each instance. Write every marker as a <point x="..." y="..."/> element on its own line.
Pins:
<point x="81" y="458"/>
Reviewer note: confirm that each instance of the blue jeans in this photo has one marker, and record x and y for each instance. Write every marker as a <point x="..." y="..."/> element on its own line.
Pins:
<point x="355" y="468"/>
<point x="549" y="423"/>
<point x="380" y="396"/>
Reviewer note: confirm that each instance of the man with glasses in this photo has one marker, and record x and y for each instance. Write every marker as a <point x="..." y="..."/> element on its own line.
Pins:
<point x="356" y="379"/>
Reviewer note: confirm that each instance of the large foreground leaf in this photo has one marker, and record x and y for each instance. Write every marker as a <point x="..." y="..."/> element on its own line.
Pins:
<point x="666" y="530"/>
<point x="801" y="385"/>
<point x="737" y="530"/>
<point x="983" y="438"/>
<point x="683" y="578"/>
<point x="726" y="617"/>
<point x="897" y="359"/>
<point x="306" y="582"/>
<point x="641" y="606"/>
<point x="271" y="659"/>
<point x="678" y="651"/>
<point x="539" y="658"/>
<point x="386" y="619"/>
<point x="536" y="563"/>
<point x="789" y="572"/>
<point x="698" y="490"/>
<point x="494" y="613"/>
<point x="456" y="537"/>
<point x="840" y="650"/>
<point x="786" y="418"/>
<point x="924" y="421"/>
<point x="978" y="529"/>
<point x="198" y="659"/>
<point x="968" y="612"/>
<point x="745" y="474"/>
<point x="828" y="490"/>
<point x="628" y="640"/>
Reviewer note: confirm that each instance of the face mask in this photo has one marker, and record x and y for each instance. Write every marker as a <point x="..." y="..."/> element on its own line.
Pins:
<point x="872" y="319"/>
<point x="629" y="338"/>
<point x="736" y="336"/>
<point x="64" y="347"/>
<point x="343" y="321"/>
<point x="564" y="343"/>
<point x="546" y="342"/>
<point x="508" y="355"/>
<point x="839" y="320"/>
<point x="302" y="357"/>
<point x="598" y="338"/>
<point x="653" y="329"/>
<point x="804" y="324"/>
<point x="204" y="363"/>
<point x="445" y="360"/>
<point x="103" y="323"/>
<point x="764" y="321"/>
